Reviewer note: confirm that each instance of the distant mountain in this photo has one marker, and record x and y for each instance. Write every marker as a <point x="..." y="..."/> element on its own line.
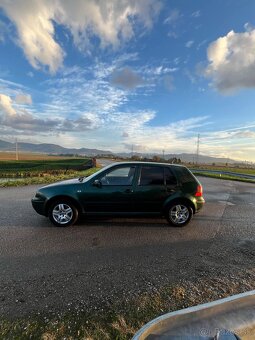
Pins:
<point x="55" y="149"/>
<point x="6" y="146"/>
<point x="184" y="157"/>
<point x="50" y="149"/>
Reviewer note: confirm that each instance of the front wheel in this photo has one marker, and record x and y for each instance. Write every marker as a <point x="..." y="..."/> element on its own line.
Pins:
<point x="179" y="214"/>
<point x="63" y="213"/>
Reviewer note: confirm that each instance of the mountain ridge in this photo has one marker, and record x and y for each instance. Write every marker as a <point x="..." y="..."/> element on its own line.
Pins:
<point x="48" y="148"/>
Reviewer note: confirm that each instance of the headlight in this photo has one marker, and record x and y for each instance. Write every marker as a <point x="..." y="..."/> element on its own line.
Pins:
<point x="39" y="196"/>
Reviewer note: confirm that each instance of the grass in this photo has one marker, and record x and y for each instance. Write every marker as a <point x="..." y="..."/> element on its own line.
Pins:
<point x="240" y="170"/>
<point x="223" y="176"/>
<point x="47" y="178"/>
<point x="42" y="170"/>
<point x="122" y="319"/>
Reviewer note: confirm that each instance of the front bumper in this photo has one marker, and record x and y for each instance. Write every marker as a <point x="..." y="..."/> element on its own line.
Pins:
<point x="39" y="206"/>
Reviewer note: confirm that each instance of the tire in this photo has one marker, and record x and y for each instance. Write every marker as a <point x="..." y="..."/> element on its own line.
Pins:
<point x="63" y="213"/>
<point x="179" y="214"/>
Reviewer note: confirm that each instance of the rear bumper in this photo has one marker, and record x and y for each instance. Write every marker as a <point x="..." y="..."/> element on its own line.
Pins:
<point x="200" y="201"/>
<point x="39" y="206"/>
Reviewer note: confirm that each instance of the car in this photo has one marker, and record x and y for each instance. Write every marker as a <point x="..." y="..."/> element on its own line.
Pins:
<point x="124" y="188"/>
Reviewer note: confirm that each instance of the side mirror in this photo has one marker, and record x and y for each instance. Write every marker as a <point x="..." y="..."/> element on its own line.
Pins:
<point x="97" y="183"/>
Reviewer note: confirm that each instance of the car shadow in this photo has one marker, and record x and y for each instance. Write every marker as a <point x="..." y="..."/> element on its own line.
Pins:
<point x="134" y="222"/>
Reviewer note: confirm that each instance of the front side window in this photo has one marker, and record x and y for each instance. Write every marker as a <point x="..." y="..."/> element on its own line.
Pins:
<point x="152" y="175"/>
<point x="119" y="176"/>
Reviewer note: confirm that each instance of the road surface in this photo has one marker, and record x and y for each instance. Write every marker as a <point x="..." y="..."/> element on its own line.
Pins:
<point x="44" y="268"/>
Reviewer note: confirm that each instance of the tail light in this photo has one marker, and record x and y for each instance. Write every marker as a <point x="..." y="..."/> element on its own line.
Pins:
<point x="199" y="192"/>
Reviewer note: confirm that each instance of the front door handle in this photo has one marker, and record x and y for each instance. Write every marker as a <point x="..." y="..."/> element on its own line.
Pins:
<point x="128" y="191"/>
<point x="170" y="190"/>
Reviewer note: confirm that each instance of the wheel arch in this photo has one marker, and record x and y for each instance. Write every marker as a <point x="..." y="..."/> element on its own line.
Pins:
<point x="183" y="200"/>
<point x="64" y="197"/>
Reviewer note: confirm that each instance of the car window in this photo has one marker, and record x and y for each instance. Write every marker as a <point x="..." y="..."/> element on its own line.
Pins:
<point x="169" y="176"/>
<point x="152" y="175"/>
<point x="184" y="175"/>
<point x="119" y="176"/>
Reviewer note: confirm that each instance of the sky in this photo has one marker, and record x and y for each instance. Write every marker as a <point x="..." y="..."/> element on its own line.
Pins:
<point x="122" y="75"/>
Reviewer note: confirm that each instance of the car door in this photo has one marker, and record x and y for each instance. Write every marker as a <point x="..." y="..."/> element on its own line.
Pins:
<point x="155" y="184"/>
<point x="111" y="192"/>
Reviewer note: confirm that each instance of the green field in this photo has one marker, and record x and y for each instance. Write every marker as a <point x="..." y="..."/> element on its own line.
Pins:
<point x="237" y="169"/>
<point x="43" y="171"/>
<point x="33" y="167"/>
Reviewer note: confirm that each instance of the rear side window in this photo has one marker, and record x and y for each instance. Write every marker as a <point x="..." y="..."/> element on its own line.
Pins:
<point x="152" y="175"/>
<point x="170" y="178"/>
<point x="184" y="175"/>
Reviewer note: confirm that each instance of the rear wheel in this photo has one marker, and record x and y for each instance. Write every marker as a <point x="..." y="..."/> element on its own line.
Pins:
<point x="179" y="214"/>
<point x="63" y="213"/>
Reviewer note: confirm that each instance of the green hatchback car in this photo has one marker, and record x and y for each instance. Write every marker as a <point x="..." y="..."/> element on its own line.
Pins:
<point x="126" y="188"/>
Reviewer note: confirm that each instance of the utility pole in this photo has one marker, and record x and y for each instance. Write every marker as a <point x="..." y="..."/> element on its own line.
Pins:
<point x="163" y="152"/>
<point x="17" y="155"/>
<point x="198" y="144"/>
<point x="132" y="150"/>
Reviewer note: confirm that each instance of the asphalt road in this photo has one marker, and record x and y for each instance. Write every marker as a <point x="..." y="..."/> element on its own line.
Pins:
<point x="44" y="268"/>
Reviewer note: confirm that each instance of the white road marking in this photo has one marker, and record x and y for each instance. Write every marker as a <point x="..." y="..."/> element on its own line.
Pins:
<point x="226" y="202"/>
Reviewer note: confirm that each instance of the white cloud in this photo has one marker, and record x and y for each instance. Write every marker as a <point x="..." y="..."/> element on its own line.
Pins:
<point x="113" y="22"/>
<point x="6" y="105"/>
<point x="232" y="61"/>
<point x="23" y="99"/>
<point x="248" y="27"/>
<point x="35" y="30"/>
<point x="173" y="17"/>
<point x="201" y="44"/>
<point x="173" y="21"/>
<point x="3" y="31"/>
<point x="189" y="43"/>
<point x="244" y="134"/>
<point x="160" y="70"/>
<point x="25" y="122"/>
<point x="173" y="137"/>
<point x="196" y="14"/>
<point x="14" y="118"/>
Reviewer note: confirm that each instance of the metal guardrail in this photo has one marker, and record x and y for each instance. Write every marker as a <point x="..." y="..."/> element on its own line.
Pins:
<point x="228" y="316"/>
<point x="234" y="174"/>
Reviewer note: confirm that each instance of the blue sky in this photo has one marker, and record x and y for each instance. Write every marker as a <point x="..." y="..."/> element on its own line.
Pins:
<point x="147" y="73"/>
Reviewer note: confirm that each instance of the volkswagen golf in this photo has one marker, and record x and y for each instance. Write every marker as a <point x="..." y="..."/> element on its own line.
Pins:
<point x="126" y="188"/>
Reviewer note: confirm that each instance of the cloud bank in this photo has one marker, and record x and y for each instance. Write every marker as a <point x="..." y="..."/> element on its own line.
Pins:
<point x="111" y="22"/>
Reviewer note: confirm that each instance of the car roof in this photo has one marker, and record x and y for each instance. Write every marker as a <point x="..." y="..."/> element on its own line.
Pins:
<point x="145" y="163"/>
